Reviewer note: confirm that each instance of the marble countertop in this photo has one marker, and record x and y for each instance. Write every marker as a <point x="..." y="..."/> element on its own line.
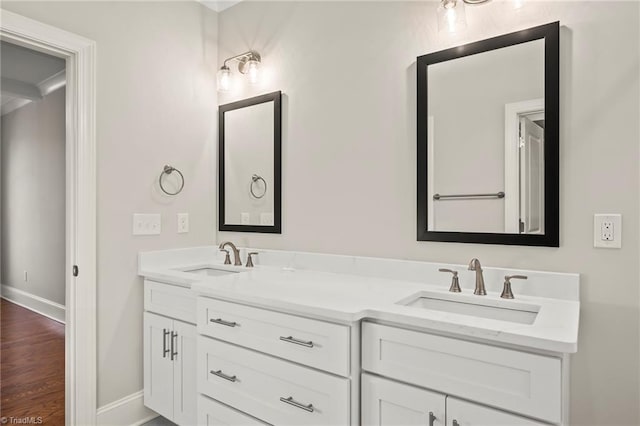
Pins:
<point x="348" y="298"/>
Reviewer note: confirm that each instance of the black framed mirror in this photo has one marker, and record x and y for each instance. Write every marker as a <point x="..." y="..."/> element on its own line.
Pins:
<point x="250" y="165"/>
<point x="488" y="140"/>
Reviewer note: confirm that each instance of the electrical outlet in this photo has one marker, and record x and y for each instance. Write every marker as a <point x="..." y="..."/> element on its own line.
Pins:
<point x="146" y="224"/>
<point x="266" y="219"/>
<point x="607" y="230"/>
<point x="245" y="218"/>
<point x="183" y="223"/>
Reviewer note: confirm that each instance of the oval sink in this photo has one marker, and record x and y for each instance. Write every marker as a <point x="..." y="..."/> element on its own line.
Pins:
<point x="464" y="305"/>
<point x="211" y="272"/>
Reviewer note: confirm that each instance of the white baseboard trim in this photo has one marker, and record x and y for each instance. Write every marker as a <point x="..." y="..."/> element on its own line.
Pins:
<point x="128" y="411"/>
<point x="34" y="303"/>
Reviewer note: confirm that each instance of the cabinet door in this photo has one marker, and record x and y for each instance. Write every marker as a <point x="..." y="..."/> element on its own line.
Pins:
<point x="158" y="367"/>
<point x="389" y="403"/>
<point x="462" y="413"/>
<point x="184" y="373"/>
<point x="213" y="413"/>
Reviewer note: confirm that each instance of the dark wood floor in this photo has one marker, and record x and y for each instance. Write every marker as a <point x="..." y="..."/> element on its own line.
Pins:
<point x="31" y="366"/>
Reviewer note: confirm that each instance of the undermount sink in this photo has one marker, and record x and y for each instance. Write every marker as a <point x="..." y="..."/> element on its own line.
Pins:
<point x="501" y="310"/>
<point x="211" y="272"/>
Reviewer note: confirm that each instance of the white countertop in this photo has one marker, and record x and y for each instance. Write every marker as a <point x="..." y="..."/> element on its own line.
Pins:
<point x="348" y="298"/>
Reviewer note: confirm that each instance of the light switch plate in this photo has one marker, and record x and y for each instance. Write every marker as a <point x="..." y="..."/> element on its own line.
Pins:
<point x="183" y="223"/>
<point x="607" y="230"/>
<point x="146" y="224"/>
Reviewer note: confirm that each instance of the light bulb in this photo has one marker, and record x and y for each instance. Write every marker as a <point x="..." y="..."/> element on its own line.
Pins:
<point x="252" y="69"/>
<point x="451" y="16"/>
<point x="224" y="79"/>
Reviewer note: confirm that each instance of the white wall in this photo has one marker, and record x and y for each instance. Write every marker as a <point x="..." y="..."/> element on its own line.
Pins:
<point x="347" y="72"/>
<point x="156" y="105"/>
<point x="33" y="198"/>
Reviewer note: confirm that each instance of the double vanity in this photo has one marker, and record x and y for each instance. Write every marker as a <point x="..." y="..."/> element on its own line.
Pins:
<point x="312" y="339"/>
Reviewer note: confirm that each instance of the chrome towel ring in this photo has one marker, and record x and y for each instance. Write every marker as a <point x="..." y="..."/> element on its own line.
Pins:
<point x="254" y="179"/>
<point x="167" y="170"/>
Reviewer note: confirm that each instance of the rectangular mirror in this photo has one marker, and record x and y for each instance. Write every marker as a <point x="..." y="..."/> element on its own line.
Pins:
<point x="250" y="165"/>
<point x="488" y="130"/>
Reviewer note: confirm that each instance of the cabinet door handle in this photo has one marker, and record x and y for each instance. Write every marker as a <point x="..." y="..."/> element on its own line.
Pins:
<point x="219" y="373"/>
<point x="223" y="322"/>
<point x="291" y="339"/>
<point x="165" y="350"/>
<point x="174" y="353"/>
<point x="455" y="423"/>
<point x="297" y="404"/>
<point x="432" y="418"/>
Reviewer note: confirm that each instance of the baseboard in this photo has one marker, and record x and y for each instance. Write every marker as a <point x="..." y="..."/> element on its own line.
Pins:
<point x="128" y="411"/>
<point x="34" y="303"/>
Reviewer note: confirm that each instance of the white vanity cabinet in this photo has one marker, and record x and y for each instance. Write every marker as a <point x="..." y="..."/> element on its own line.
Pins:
<point x="279" y="368"/>
<point x="518" y="382"/>
<point x="170" y="353"/>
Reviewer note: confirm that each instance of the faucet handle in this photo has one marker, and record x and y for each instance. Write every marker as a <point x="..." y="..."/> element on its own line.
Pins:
<point x="227" y="259"/>
<point x="455" y="283"/>
<point x="506" y="291"/>
<point x="249" y="262"/>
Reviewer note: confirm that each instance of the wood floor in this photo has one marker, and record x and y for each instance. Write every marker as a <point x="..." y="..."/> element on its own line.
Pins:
<point x="31" y="366"/>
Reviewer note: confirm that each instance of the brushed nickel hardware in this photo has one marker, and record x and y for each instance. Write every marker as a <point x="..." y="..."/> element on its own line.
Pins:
<point x="432" y="418"/>
<point x="165" y="351"/>
<point x="291" y="339"/>
<point x="223" y="322"/>
<point x="254" y="179"/>
<point x="474" y="265"/>
<point x="455" y="283"/>
<point x="220" y="374"/>
<point x="227" y="259"/>
<point x="174" y="354"/>
<point x="236" y="253"/>
<point x="297" y="404"/>
<point x="506" y="291"/>
<point x="250" y="260"/>
<point x="167" y="170"/>
<point x="472" y="196"/>
<point x="455" y="423"/>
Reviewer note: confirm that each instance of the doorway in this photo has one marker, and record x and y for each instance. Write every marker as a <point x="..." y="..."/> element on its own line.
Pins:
<point x="78" y="54"/>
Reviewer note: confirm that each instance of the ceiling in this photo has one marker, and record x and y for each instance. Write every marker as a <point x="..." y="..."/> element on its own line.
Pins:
<point x="219" y="5"/>
<point x="27" y="75"/>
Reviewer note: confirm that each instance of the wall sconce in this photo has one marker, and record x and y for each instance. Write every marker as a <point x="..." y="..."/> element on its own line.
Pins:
<point x="451" y="14"/>
<point x="248" y="63"/>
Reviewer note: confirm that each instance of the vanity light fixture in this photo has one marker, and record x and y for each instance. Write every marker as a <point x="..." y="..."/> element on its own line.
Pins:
<point x="451" y="14"/>
<point x="248" y="63"/>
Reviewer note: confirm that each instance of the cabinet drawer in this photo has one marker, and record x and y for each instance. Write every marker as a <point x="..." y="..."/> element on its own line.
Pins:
<point x="465" y="413"/>
<point x="170" y="300"/>
<point x="270" y="389"/>
<point x="311" y="342"/>
<point x="516" y="381"/>
<point x="212" y="413"/>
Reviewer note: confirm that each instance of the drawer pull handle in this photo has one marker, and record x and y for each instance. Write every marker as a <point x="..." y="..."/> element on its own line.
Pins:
<point x="223" y="322"/>
<point x="432" y="418"/>
<point x="295" y="403"/>
<point x="219" y="373"/>
<point x="165" y="350"/>
<point x="290" y="339"/>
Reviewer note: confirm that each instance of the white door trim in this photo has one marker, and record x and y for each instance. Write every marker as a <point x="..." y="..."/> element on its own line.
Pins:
<point x="80" y="327"/>
<point x="511" y="159"/>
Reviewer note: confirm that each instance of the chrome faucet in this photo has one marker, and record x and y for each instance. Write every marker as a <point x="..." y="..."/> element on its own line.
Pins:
<point x="236" y="253"/>
<point x="474" y="265"/>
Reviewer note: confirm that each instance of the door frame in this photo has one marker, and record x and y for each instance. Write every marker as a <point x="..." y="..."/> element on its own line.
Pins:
<point x="80" y="247"/>
<point x="512" y="113"/>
